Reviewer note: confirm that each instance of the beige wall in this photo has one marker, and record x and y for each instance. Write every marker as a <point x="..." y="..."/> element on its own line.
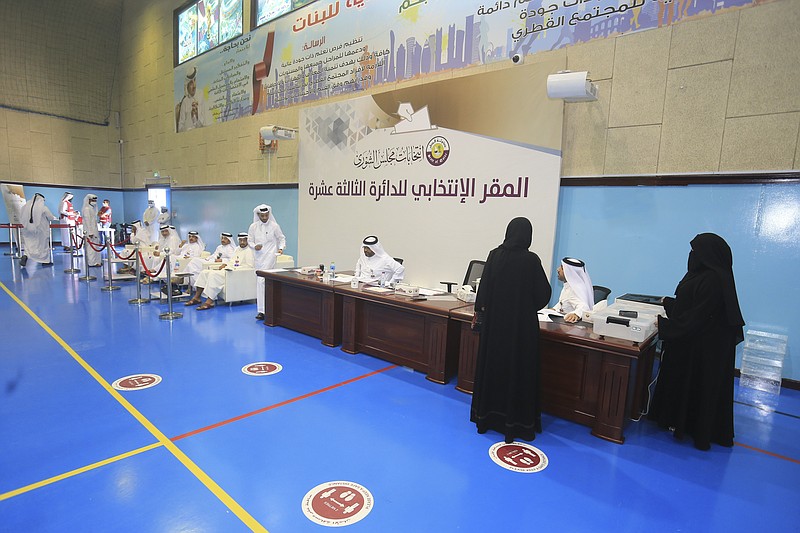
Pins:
<point x="716" y="94"/>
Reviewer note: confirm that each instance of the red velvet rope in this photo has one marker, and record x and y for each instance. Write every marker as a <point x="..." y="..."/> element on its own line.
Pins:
<point x="74" y="240"/>
<point x="133" y="253"/>
<point x="97" y="247"/>
<point x="147" y="271"/>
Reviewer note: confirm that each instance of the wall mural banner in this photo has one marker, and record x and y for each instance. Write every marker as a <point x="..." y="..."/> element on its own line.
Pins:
<point x="346" y="46"/>
<point x="437" y="194"/>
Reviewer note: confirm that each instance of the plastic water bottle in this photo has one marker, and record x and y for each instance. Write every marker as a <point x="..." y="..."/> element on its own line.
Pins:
<point x="383" y="279"/>
<point x="333" y="270"/>
<point x="236" y="262"/>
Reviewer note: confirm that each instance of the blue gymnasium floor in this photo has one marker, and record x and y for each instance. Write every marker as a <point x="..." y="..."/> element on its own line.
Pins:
<point x="211" y="449"/>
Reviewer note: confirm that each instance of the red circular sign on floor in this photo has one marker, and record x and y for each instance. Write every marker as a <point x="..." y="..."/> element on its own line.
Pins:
<point x="137" y="382"/>
<point x="262" y="368"/>
<point x="518" y="457"/>
<point x="337" y="503"/>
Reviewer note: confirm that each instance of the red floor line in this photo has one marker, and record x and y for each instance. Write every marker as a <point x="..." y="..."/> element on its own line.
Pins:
<point x="281" y="404"/>
<point x="791" y="460"/>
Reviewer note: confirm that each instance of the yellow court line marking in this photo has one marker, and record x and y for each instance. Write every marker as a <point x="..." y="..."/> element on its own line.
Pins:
<point x="204" y="478"/>
<point x="48" y="481"/>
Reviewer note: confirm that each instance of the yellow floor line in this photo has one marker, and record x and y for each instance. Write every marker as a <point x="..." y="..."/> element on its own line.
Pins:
<point x="204" y="478"/>
<point x="77" y="471"/>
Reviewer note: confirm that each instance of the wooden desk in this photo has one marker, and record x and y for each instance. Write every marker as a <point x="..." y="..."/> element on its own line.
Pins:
<point x="595" y="381"/>
<point x="303" y="303"/>
<point x="416" y="334"/>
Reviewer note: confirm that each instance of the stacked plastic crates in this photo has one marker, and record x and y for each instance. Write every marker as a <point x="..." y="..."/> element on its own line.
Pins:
<point x="762" y="361"/>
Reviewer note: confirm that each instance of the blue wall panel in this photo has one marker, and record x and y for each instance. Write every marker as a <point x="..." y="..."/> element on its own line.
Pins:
<point x="636" y="239"/>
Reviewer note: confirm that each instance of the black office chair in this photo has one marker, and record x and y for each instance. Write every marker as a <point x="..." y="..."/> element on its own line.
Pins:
<point x="474" y="271"/>
<point x="600" y="293"/>
<point x="398" y="259"/>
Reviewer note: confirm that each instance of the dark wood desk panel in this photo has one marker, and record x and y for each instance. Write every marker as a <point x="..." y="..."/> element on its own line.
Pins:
<point x="416" y="334"/>
<point x="586" y="378"/>
<point x="304" y="304"/>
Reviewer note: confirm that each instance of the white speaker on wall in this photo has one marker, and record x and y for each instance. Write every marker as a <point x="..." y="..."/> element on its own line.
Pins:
<point x="571" y="86"/>
<point x="272" y="132"/>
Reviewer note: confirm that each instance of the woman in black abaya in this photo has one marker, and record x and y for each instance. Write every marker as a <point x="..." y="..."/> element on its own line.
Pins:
<point x="694" y="393"/>
<point x="513" y="288"/>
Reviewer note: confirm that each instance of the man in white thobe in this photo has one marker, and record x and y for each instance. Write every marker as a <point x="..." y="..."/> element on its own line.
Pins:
<point x="211" y="281"/>
<point x="35" y="231"/>
<point x="375" y="265"/>
<point x="577" y="296"/>
<point x="193" y="246"/>
<point x="267" y="240"/>
<point x="164" y="216"/>
<point x="221" y="254"/>
<point x="91" y="233"/>
<point x="150" y="220"/>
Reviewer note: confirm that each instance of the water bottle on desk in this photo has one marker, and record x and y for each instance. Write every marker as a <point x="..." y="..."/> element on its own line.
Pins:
<point x="332" y="271"/>
<point x="354" y="281"/>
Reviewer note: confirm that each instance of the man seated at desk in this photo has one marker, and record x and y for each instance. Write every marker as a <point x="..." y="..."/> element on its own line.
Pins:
<point x="375" y="265"/>
<point x="211" y="281"/>
<point x="577" y="296"/>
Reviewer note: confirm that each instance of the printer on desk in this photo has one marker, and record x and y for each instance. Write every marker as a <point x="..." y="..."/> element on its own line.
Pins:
<point x="632" y="317"/>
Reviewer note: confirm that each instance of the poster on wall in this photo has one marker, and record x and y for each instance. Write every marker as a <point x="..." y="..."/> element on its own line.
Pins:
<point x="432" y="171"/>
<point x="338" y="47"/>
<point x="14" y="199"/>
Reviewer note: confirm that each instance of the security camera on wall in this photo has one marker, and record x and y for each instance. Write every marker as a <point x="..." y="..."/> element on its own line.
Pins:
<point x="571" y="86"/>
<point x="518" y="59"/>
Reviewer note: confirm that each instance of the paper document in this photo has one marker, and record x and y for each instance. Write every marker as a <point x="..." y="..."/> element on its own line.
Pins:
<point x="431" y="292"/>
<point x="381" y="290"/>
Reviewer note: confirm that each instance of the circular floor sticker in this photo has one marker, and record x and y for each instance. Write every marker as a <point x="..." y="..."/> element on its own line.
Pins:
<point x="262" y="368"/>
<point x="137" y="382"/>
<point x="518" y="457"/>
<point x="337" y="503"/>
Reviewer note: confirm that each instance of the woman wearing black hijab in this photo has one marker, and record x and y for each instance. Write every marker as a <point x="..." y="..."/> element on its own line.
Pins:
<point x="513" y="288"/>
<point x="694" y="394"/>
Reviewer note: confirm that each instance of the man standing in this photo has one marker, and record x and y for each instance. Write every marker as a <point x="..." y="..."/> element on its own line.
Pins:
<point x="35" y="221"/>
<point x="164" y="216"/>
<point x="150" y="220"/>
<point x="268" y="241"/>
<point x="105" y="217"/>
<point x="67" y="216"/>
<point x="211" y="280"/>
<point x="577" y="296"/>
<point x="90" y="231"/>
<point x="375" y="264"/>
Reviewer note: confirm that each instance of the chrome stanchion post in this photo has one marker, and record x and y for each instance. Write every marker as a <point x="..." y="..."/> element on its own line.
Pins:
<point x="18" y="232"/>
<point x="87" y="277"/>
<point x="138" y="300"/>
<point x="72" y="268"/>
<point x="169" y="315"/>
<point x="109" y="252"/>
<point x="10" y="241"/>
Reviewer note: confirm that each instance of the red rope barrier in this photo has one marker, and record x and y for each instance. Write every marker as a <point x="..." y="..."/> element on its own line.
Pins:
<point x="147" y="271"/>
<point x="74" y="238"/>
<point x="133" y="253"/>
<point x="97" y="247"/>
